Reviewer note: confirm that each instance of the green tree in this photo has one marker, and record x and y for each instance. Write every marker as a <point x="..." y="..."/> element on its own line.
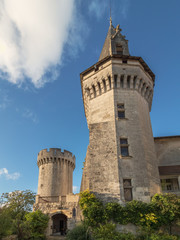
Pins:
<point x="5" y="222"/>
<point x="17" y="204"/>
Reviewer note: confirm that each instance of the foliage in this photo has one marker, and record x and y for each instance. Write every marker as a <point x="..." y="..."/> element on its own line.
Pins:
<point x="164" y="210"/>
<point x="37" y="223"/>
<point x="15" y="205"/>
<point x="156" y="236"/>
<point x="5" y="223"/>
<point x="108" y="232"/>
<point x="92" y="208"/>
<point x="167" y="208"/>
<point x="80" y="232"/>
<point x="18" y="202"/>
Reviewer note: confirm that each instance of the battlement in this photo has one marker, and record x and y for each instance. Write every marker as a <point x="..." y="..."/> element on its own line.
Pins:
<point x="55" y="154"/>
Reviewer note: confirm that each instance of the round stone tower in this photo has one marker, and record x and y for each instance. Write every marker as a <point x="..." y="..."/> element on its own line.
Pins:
<point x="55" y="172"/>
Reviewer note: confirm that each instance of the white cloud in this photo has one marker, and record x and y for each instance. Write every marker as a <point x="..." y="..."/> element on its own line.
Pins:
<point x="29" y="114"/>
<point x="12" y="176"/>
<point x="75" y="189"/>
<point x="33" y="34"/>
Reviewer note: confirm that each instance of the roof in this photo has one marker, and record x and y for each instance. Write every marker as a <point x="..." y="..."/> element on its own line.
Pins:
<point x="166" y="137"/>
<point x="114" y="42"/>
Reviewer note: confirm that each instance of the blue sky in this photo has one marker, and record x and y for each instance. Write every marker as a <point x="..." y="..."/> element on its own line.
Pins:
<point x="45" y="45"/>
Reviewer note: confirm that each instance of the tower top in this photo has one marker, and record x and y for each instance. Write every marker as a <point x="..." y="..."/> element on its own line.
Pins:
<point x="115" y="43"/>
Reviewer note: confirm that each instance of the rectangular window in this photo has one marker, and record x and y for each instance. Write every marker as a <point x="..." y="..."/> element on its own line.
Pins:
<point x="170" y="184"/>
<point x="121" y="110"/>
<point x="119" y="49"/>
<point x="124" y="147"/>
<point x="127" y="189"/>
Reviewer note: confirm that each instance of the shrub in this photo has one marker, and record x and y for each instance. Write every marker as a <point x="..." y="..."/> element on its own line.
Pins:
<point x="80" y="232"/>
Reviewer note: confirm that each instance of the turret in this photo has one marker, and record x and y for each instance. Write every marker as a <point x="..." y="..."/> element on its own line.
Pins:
<point x="55" y="172"/>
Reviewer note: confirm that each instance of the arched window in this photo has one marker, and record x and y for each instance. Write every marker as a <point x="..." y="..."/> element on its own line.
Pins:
<point x="74" y="212"/>
<point x="94" y="90"/>
<point x="143" y="87"/>
<point x="134" y="81"/>
<point x="109" y="79"/>
<point x="122" y="81"/>
<point x="99" y="88"/>
<point x="104" y="85"/>
<point x="128" y="81"/>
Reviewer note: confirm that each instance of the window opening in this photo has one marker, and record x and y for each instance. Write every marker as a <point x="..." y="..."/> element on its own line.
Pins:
<point x="122" y="81"/>
<point x="119" y="49"/>
<point x="115" y="81"/>
<point x="104" y="85"/>
<point x="124" y="147"/>
<point x="94" y="90"/>
<point x="128" y="81"/>
<point x="109" y="79"/>
<point x="121" y="110"/>
<point x="134" y="81"/>
<point x="127" y="189"/>
<point x="99" y="87"/>
<point x="170" y="184"/>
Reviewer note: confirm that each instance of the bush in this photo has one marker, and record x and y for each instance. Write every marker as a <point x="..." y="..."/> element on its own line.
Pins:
<point x="108" y="232"/>
<point x="36" y="223"/>
<point x="80" y="232"/>
<point x="158" y="237"/>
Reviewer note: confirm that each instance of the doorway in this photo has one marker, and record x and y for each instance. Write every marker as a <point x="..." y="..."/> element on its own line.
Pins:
<point x="59" y="224"/>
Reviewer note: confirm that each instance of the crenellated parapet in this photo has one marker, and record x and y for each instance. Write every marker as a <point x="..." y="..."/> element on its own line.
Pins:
<point x="54" y="155"/>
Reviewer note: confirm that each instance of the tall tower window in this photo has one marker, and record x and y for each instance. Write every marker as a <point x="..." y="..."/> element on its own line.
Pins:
<point x="128" y="81"/>
<point x="99" y="87"/>
<point x="115" y="81"/>
<point x="124" y="147"/>
<point x="134" y="81"/>
<point x="122" y="81"/>
<point x="94" y="90"/>
<point x="127" y="189"/>
<point x="121" y="110"/>
<point x="109" y="79"/>
<point x="104" y="85"/>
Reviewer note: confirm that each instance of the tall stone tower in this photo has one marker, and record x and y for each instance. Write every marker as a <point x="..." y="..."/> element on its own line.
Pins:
<point x="117" y="93"/>
<point x="55" y="172"/>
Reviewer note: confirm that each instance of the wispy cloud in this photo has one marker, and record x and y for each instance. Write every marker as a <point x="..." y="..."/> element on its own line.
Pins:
<point x="33" y="35"/>
<point x="124" y="7"/>
<point x="75" y="189"/>
<point x="98" y="7"/>
<point x="29" y="114"/>
<point x="12" y="176"/>
<point x="4" y="100"/>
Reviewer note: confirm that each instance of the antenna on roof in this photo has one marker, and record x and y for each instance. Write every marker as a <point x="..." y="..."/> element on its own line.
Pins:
<point x="110" y="12"/>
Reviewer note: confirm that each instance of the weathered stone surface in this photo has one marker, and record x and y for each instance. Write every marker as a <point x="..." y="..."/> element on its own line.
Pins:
<point x="105" y="168"/>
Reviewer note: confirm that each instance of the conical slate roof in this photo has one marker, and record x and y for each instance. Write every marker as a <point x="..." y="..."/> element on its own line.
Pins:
<point x="115" y="43"/>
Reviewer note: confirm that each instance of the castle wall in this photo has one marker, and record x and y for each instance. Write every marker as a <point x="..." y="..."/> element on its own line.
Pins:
<point x="168" y="150"/>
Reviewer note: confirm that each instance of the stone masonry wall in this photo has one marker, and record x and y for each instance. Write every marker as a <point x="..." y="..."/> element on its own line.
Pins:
<point x="105" y="168"/>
